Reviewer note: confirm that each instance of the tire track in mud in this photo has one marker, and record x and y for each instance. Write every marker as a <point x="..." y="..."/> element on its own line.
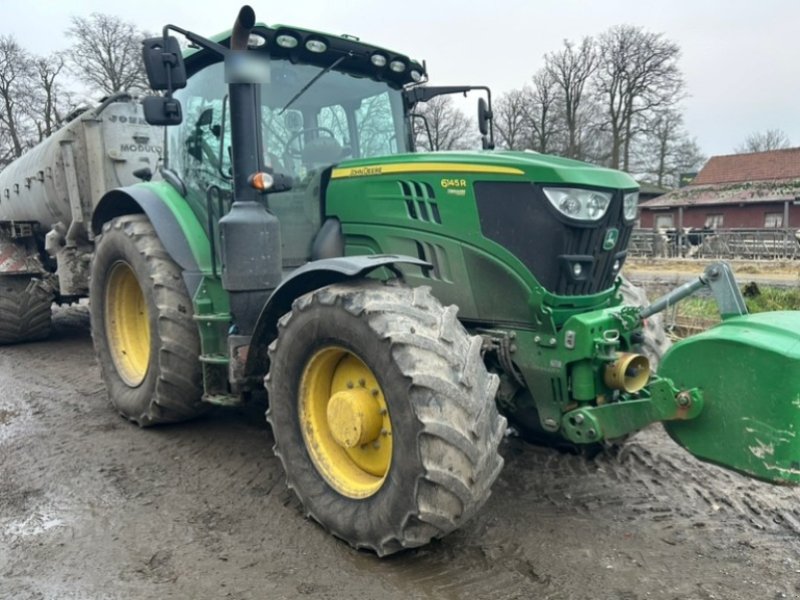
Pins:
<point x="651" y="478"/>
<point x="650" y="482"/>
<point x="458" y="567"/>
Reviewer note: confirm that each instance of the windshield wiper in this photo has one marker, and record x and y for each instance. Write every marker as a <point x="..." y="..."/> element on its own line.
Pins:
<point x="312" y="82"/>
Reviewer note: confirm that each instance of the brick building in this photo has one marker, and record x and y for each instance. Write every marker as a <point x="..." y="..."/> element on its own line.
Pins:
<point x="756" y="190"/>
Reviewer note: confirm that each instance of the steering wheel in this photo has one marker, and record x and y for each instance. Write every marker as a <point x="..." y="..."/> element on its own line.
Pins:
<point x="298" y="153"/>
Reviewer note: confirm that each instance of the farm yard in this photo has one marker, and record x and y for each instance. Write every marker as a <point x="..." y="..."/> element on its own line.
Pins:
<point x="92" y="508"/>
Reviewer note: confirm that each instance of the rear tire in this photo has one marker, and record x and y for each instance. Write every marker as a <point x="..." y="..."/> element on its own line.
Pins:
<point x="443" y="423"/>
<point x="25" y="309"/>
<point x="146" y="341"/>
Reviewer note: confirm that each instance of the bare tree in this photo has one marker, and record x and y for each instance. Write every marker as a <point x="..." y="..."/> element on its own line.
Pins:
<point x="667" y="150"/>
<point x="16" y="88"/>
<point x="541" y="111"/>
<point x="571" y="69"/>
<point x="449" y="127"/>
<point x="637" y="74"/>
<point x="763" y="141"/>
<point x="53" y="102"/>
<point x="511" y="120"/>
<point x="106" y="53"/>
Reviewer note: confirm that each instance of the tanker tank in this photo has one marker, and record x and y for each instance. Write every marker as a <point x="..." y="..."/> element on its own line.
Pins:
<point x="61" y="179"/>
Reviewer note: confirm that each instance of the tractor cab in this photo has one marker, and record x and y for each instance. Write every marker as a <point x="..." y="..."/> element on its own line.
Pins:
<point x="319" y="100"/>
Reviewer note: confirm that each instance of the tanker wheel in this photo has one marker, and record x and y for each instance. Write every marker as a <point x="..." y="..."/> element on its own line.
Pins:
<point x="25" y="314"/>
<point x="383" y="414"/>
<point x="144" y="336"/>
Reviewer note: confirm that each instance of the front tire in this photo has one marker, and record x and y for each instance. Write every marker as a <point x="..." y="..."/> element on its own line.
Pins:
<point x="145" y="339"/>
<point x="383" y="414"/>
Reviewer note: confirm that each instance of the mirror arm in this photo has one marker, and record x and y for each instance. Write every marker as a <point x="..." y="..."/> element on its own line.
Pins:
<point x="197" y="39"/>
<point x="423" y="93"/>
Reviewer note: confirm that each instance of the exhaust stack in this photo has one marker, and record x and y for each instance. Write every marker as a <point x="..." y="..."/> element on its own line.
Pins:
<point x="241" y="28"/>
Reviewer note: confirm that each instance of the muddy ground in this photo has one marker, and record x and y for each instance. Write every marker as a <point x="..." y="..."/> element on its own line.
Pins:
<point x="93" y="508"/>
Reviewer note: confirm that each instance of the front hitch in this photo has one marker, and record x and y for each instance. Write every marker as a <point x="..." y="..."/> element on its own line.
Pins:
<point x="659" y="401"/>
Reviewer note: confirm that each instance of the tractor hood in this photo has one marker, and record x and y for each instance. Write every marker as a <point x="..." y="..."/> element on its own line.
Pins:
<point x="531" y="166"/>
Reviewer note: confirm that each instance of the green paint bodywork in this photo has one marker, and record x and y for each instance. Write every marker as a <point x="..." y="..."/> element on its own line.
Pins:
<point x="486" y="281"/>
<point x="748" y="369"/>
<point x="188" y="219"/>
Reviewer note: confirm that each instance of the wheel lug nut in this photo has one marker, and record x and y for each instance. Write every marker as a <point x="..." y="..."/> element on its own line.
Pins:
<point x="362" y="382"/>
<point x="384" y="412"/>
<point x="350" y="385"/>
<point x="375" y="392"/>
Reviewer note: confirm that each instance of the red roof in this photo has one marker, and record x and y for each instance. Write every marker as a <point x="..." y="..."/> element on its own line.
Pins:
<point x="755" y="166"/>
<point x="747" y="192"/>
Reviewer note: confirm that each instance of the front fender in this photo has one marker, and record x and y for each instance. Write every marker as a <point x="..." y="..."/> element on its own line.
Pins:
<point x="309" y="277"/>
<point x="178" y="229"/>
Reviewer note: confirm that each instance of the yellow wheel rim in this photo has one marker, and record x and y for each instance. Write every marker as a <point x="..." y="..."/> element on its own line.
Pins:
<point x="345" y="422"/>
<point x="127" y="324"/>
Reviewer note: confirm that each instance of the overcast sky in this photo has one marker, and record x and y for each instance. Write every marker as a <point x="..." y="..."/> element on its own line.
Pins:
<point x="741" y="58"/>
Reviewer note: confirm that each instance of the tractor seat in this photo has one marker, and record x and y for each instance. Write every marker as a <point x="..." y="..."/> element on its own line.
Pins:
<point x="322" y="151"/>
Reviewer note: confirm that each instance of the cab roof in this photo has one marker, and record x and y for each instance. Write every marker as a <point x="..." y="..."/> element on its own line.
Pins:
<point x="358" y="55"/>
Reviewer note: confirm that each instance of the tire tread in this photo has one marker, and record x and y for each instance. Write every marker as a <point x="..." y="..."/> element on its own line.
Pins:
<point x="25" y="309"/>
<point x="451" y="392"/>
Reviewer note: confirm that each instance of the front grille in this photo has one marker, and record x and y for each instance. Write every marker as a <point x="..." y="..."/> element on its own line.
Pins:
<point x="518" y="216"/>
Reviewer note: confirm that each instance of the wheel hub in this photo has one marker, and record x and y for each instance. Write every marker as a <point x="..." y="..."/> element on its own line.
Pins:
<point x="354" y="418"/>
<point x="345" y="422"/>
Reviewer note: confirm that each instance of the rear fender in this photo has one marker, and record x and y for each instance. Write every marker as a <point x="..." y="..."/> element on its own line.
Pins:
<point x="184" y="238"/>
<point x="309" y="277"/>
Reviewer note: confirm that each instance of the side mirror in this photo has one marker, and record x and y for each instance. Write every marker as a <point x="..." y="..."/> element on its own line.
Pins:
<point x="484" y="116"/>
<point x="159" y="110"/>
<point x="163" y="63"/>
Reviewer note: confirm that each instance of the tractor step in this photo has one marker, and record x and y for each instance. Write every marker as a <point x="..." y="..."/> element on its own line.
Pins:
<point x="227" y="400"/>
<point x="214" y="359"/>
<point x="213" y="317"/>
<point x="748" y="370"/>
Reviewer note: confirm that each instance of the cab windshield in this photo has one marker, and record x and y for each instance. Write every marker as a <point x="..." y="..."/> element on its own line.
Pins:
<point x="339" y="117"/>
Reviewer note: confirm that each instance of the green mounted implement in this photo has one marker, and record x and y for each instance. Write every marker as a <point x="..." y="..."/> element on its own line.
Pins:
<point x="401" y="308"/>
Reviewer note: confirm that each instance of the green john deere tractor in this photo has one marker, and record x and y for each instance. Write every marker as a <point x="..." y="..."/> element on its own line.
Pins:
<point x="398" y="306"/>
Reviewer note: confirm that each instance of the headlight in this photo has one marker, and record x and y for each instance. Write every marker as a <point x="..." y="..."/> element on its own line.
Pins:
<point x="630" y="206"/>
<point x="583" y="205"/>
<point x="316" y="46"/>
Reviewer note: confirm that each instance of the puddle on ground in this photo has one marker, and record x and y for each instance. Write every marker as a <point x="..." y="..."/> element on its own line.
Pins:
<point x="35" y="524"/>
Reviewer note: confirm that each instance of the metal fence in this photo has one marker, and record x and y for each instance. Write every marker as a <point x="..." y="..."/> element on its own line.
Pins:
<point x="745" y="244"/>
